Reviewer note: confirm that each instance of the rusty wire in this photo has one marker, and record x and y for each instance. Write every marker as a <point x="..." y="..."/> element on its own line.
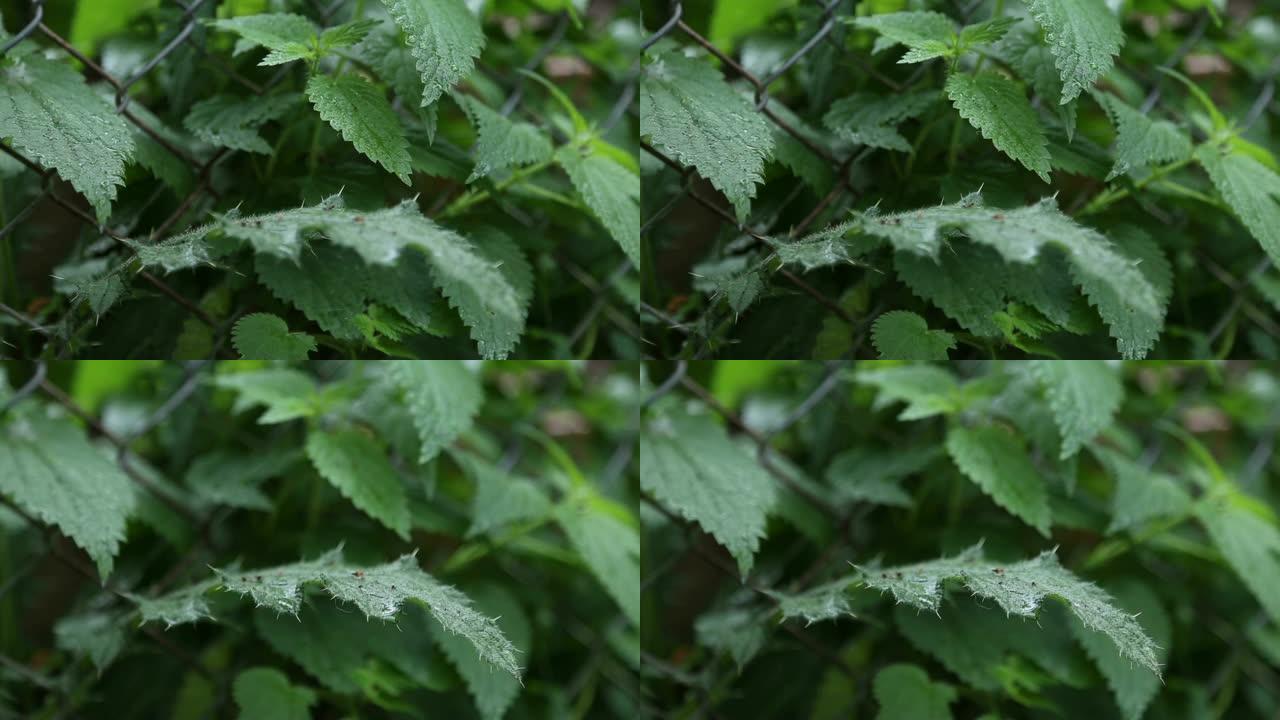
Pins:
<point x="192" y="12"/>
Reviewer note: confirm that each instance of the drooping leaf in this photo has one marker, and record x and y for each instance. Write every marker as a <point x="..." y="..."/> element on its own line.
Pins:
<point x="927" y="35"/>
<point x="233" y="479"/>
<point x="1133" y="687"/>
<point x="232" y="122"/>
<point x="1249" y="540"/>
<point x="1084" y="396"/>
<point x="861" y="474"/>
<point x="359" y="110"/>
<point x="359" y="468"/>
<point x="905" y="692"/>
<point x="492" y="692"/>
<point x="263" y="336"/>
<point x="443" y="398"/>
<point x="904" y="335"/>
<point x="288" y="36"/>
<point x="444" y="36"/>
<point x="997" y="461"/>
<point x="997" y="107"/>
<point x="688" y="112"/>
<point x="53" y="473"/>
<point x="266" y="693"/>
<point x="50" y="115"/>
<point x="1019" y="589"/>
<point x="501" y="142"/>
<point x="1251" y="189"/>
<point x="609" y="547"/>
<point x="688" y="463"/>
<point x="1084" y="36"/>
<point x="1142" y="141"/>
<point x="866" y="119"/>
<point x="611" y="191"/>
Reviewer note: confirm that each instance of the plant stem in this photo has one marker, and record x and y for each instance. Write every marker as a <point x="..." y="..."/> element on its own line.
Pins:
<point x="473" y="197"/>
<point x="1108" y="197"/>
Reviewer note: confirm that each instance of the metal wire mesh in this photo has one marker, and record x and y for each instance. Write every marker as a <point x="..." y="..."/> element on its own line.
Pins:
<point x="843" y="193"/>
<point x="600" y="291"/>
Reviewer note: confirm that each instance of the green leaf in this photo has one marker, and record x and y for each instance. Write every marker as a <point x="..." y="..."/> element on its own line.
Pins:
<point x="1019" y="589"/>
<point x="1033" y="61"/>
<point x="444" y="36"/>
<point x="98" y="636"/>
<point x="233" y="479"/>
<point x="1140" y="494"/>
<point x="1084" y="396"/>
<point x="825" y="602"/>
<point x="1133" y="687"/>
<point x="905" y="692"/>
<point x="1127" y="300"/>
<point x="492" y="692"/>
<point x="232" y="121"/>
<point x="50" y="115"/>
<point x="609" y="547"/>
<point x="966" y="281"/>
<point x="500" y="498"/>
<point x="486" y="278"/>
<point x="443" y="398"/>
<point x="867" y="119"/>
<point x="358" y="467"/>
<point x="738" y="633"/>
<point x="998" y="108"/>
<point x="690" y="113"/>
<point x="1142" y="141"/>
<point x="903" y="335"/>
<point x="820" y="249"/>
<point x="348" y="33"/>
<point x="288" y="36"/>
<point x="997" y="461"/>
<point x="611" y="191"/>
<point x="1252" y="191"/>
<point x="266" y="693"/>
<point x="54" y="474"/>
<point x="359" y="110"/>
<point x="1247" y="536"/>
<point x="688" y="463"/>
<point x="926" y="389"/>
<point x="1084" y="36"/>
<point x="861" y="474"/>
<point x="927" y="35"/>
<point x="263" y="336"/>
<point x="185" y="605"/>
<point x="985" y="33"/>
<point x="287" y="394"/>
<point x="500" y="142"/>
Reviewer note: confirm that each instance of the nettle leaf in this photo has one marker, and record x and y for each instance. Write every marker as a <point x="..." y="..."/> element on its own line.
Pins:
<point x="263" y="336"/>
<point x="378" y="591"/>
<point x="1084" y="36"/>
<point x="54" y="474"/>
<point x="826" y="602"/>
<point x="967" y="282"/>
<point x="444" y="36"/>
<point x="611" y="191"/>
<point x="1019" y="589"/>
<point x="1140" y="140"/>
<point x="738" y="633"/>
<point x="1140" y="494"/>
<point x="234" y="479"/>
<point x="1251" y="189"/>
<point x="1033" y="62"/>
<point x="689" y="463"/>
<point x="360" y="111"/>
<point x="867" y="119"/>
<point x="501" y="142"/>
<point x="486" y="278"/>
<point x="997" y="461"/>
<point x="232" y="121"/>
<point x="48" y="113"/>
<point x="608" y="546"/>
<point x="927" y="35"/>
<point x="266" y="693"/>
<point x="359" y="468"/>
<point x="347" y="34"/>
<point x="443" y="398"/>
<point x="500" y="498"/>
<point x="905" y="692"/>
<point x="1126" y="299"/>
<point x="1084" y="396"/>
<point x="98" y="636"/>
<point x="998" y="108"/>
<point x="1245" y="532"/>
<point x="286" y="393"/>
<point x="689" y="112"/>
<point x="861" y="474"/>
<point x="927" y="390"/>
<point x="903" y="335"/>
<point x="492" y="692"/>
<point x="985" y="33"/>
<point x="1133" y="687"/>
<point x="288" y="36"/>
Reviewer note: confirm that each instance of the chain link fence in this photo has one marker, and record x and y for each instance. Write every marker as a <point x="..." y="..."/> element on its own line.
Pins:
<point x="208" y="546"/>
<point x="201" y="197"/>
<point x="844" y="194"/>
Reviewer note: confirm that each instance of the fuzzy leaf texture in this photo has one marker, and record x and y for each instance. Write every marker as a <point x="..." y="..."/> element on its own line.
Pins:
<point x="690" y="113"/>
<point x="1019" y="589"/>
<point x="443" y="398"/>
<point x="232" y="122"/>
<point x="998" y="462"/>
<point x="360" y="111"/>
<point x="689" y="463"/>
<point x="49" y="114"/>
<point x="500" y="142"/>
<point x="1126" y="299"/>
<point x="904" y="335"/>
<point x="1133" y="687"/>
<point x="611" y="191"/>
<point x="378" y="591"/>
<point x="1251" y="189"/>
<point x="1084" y="396"/>
<point x="998" y="108"/>
<point x="51" y="471"/>
<point x="1248" y="537"/>
<point x="1140" y="140"/>
<point x="1084" y="37"/>
<point x="927" y="35"/>
<point x="263" y="336"/>
<point x="486" y="278"/>
<point x="359" y="468"/>
<point x="445" y="39"/>
<point x="288" y="36"/>
<point x="609" y="547"/>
